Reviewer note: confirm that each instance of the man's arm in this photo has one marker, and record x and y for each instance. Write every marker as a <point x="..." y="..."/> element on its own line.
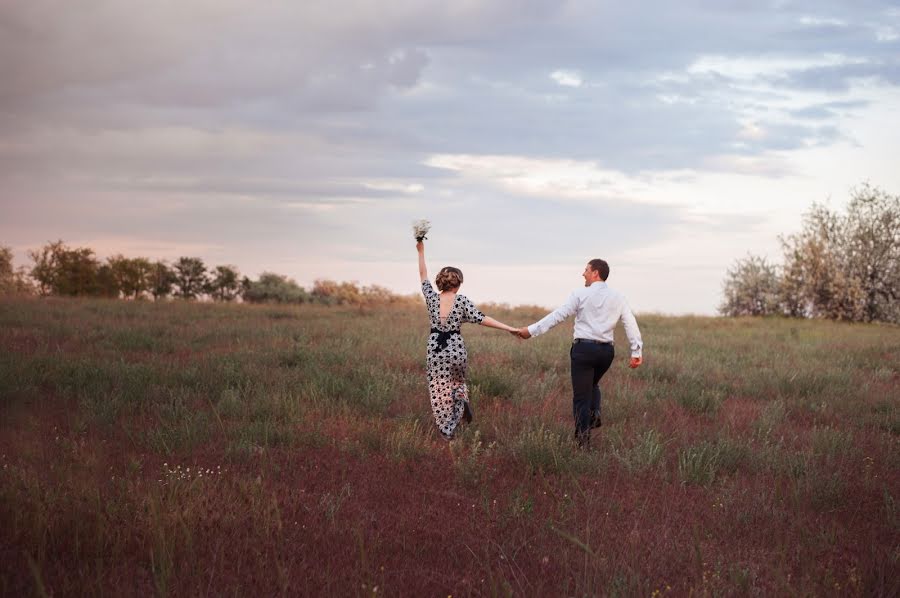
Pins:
<point x="553" y="318"/>
<point x="634" y="336"/>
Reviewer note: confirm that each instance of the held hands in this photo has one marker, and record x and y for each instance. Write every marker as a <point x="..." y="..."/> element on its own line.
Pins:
<point x="635" y="362"/>
<point x="521" y="333"/>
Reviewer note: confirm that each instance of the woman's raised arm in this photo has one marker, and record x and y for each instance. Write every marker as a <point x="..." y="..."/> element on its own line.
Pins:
<point x="423" y="271"/>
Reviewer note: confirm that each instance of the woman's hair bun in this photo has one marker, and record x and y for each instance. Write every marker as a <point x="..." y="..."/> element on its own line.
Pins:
<point x="448" y="278"/>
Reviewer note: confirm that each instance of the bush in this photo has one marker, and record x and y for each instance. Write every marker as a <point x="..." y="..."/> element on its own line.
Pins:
<point x="273" y="288"/>
<point x="751" y="288"/>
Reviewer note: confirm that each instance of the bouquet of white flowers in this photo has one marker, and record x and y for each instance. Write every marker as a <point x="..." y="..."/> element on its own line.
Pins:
<point x="420" y="229"/>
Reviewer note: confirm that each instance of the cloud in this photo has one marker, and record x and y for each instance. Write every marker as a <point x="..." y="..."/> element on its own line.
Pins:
<point x="567" y="78"/>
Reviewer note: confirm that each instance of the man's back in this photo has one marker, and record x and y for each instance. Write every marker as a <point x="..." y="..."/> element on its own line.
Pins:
<point x="597" y="309"/>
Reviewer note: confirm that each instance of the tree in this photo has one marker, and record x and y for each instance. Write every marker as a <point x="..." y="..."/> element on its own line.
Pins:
<point x="12" y="280"/>
<point x="330" y="292"/>
<point x="225" y="284"/>
<point x="7" y="284"/>
<point x="60" y="270"/>
<point x="162" y="279"/>
<point x="46" y="268"/>
<point x="871" y="242"/>
<point x="751" y="288"/>
<point x="133" y="276"/>
<point x="190" y="277"/>
<point x="845" y="267"/>
<point x="7" y="273"/>
<point x="273" y="288"/>
<point x="816" y="281"/>
<point x="107" y="284"/>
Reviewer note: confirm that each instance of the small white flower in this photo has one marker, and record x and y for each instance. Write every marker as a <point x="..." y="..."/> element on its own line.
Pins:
<point x="420" y="229"/>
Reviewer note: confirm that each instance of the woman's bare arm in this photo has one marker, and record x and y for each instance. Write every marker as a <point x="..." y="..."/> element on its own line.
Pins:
<point x="423" y="271"/>
<point x="492" y="323"/>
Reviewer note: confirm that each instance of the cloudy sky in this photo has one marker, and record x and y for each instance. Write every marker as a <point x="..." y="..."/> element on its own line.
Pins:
<point x="304" y="137"/>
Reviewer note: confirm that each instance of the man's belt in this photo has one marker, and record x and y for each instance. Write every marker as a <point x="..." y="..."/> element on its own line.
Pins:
<point x="590" y="341"/>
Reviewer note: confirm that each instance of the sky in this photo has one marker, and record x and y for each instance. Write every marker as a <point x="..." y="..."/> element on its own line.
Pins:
<point x="303" y="138"/>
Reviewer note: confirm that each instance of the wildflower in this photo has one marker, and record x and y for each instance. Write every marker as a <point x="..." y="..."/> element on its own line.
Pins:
<point x="420" y="229"/>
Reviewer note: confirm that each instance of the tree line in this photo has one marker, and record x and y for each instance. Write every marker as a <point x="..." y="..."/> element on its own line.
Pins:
<point x="60" y="270"/>
<point x="840" y="266"/>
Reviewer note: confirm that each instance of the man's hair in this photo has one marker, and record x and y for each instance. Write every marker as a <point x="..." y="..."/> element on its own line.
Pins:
<point x="598" y="265"/>
<point x="448" y="278"/>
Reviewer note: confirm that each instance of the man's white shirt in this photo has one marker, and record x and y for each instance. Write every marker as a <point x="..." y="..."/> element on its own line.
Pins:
<point x="597" y="310"/>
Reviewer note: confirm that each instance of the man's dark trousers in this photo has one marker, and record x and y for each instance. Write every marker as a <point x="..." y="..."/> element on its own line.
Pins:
<point x="589" y="362"/>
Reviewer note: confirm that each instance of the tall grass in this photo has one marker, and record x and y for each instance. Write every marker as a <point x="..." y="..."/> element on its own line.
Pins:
<point x="724" y="462"/>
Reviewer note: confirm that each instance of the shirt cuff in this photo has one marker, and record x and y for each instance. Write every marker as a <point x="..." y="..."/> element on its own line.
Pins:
<point x="533" y="330"/>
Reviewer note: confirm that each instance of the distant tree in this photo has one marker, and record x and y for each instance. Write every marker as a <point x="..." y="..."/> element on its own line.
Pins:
<point x="751" y="288"/>
<point x="330" y="292"/>
<point x="841" y="266"/>
<point x="107" y="282"/>
<point x="378" y="294"/>
<point x="46" y="269"/>
<point x="12" y="280"/>
<point x="162" y="279"/>
<point x="871" y="242"/>
<point x="818" y="277"/>
<point x="225" y="284"/>
<point x="133" y="276"/>
<point x="844" y="266"/>
<point x="60" y="270"/>
<point x="273" y="288"/>
<point x="7" y="273"/>
<point x="190" y="277"/>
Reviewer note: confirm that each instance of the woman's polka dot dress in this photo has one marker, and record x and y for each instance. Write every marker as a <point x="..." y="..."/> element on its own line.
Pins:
<point x="447" y="359"/>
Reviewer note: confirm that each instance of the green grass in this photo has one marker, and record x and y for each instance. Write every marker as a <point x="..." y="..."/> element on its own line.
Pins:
<point x="645" y="452"/>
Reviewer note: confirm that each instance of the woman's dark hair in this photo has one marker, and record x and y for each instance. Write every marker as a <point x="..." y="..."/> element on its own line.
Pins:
<point x="448" y="278"/>
<point x="598" y="265"/>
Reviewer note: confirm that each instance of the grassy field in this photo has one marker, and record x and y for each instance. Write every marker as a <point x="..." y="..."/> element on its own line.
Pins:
<point x="197" y="449"/>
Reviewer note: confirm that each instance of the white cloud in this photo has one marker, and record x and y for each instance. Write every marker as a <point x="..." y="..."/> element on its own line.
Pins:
<point x="394" y="186"/>
<point x="748" y="68"/>
<point x="567" y="78"/>
<point x="886" y="33"/>
<point x="767" y="165"/>
<point x="548" y="178"/>
<point x="751" y="130"/>
<point x="811" y="21"/>
<point x="574" y="180"/>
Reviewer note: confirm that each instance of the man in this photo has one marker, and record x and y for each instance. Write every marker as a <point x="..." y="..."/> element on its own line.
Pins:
<point x="597" y="309"/>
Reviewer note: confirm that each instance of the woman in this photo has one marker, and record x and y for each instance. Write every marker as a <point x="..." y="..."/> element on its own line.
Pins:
<point x="447" y="358"/>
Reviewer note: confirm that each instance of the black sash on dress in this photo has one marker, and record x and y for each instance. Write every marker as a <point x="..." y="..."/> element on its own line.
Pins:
<point x="443" y="337"/>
